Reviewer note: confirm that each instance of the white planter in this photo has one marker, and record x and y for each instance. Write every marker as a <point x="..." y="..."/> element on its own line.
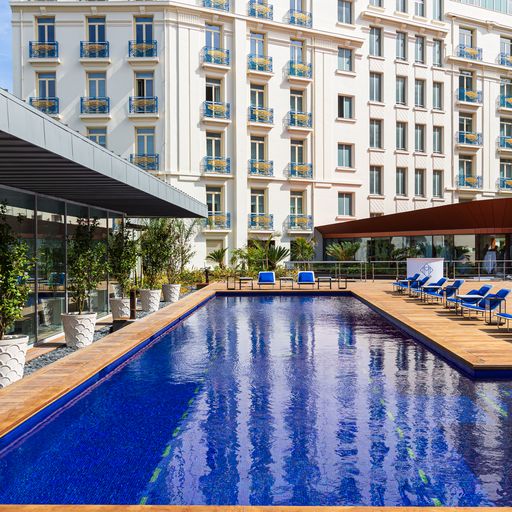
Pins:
<point x="150" y="300"/>
<point x="118" y="291"/>
<point x="78" y="329"/>
<point x="13" y="349"/>
<point x="171" y="292"/>
<point x="120" y="308"/>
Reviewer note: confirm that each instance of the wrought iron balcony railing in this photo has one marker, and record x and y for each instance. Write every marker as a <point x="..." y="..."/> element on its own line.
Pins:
<point x="143" y="105"/>
<point x="468" y="52"/>
<point x="261" y="168"/>
<point x="299" y="69"/>
<point x="299" y="119"/>
<point x="49" y="106"/>
<point x="223" y="5"/>
<point x="300" y="170"/>
<point x="142" y="49"/>
<point x="261" y="222"/>
<point x="505" y="101"/>
<point x="505" y="59"/>
<point x="218" y="220"/>
<point x="90" y="105"/>
<point x="300" y="222"/>
<point x="43" y="50"/>
<point x="259" y="9"/>
<point x="91" y="50"/>
<point x="217" y="165"/>
<point x="469" y="138"/>
<point x="218" y="56"/>
<point x="146" y="161"/>
<point x="469" y="96"/>
<point x="216" y="110"/>
<point x="505" y="141"/>
<point x="261" y="115"/>
<point x="260" y="63"/>
<point x="504" y="183"/>
<point x="302" y="18"/>
<point x="466" y="181"/>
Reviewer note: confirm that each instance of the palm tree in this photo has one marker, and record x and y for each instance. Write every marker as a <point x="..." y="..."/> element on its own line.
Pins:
<point x="276" y="255"/>
<point x="302" y="249"/>
<point x="217" y="257"/>
<point x="342" y="251"/>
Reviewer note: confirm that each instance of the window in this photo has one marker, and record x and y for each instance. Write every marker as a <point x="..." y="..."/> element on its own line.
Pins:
<point x="465" y="123"/>
<point x="345" y="11"/>
<point x="465" y="166"/>
<point x="376" y="41"/>
<point x="377" y="3"/>
<point x="506" y="87"/>
<point x="466" y="37"/>
<point x="96" y="85"/>
<point x="419" y="182"/>
<point x="375" y="133"/>
<point x="213" y="90"/>
<point x="212" y="36"/>
<point x="296" y="50"/>
<point x="401" y="5"/>
<point x="98" y="135"/>
<point x="46" y="85"/>
<point x="437" y="140"/>
<point x="214" y="200"/>
<point x="46" y="30"/>
<point x="345" y="107"/>
<point x="401" y="90"/>
<point x="258" y="96"/>
<point x="143" y="29"/>
<point x="401" y="46"/>
<point x="258" y="206"/>
<point x="296" y="203"/>
<point x="144" y="84"/>
<point x="437" y="95"/>
<point x="297" y="5"/>
<point x="437" y="183"/>
<point x="345" y="59"/>
<point x="437" y="10"/>
<point x="437" y="53"/>
<point x="419" y="93"/>
<point x="401" y="136"/>
<point x="419" y="138"/>
<point x="506" y="45"/>
<point x="506" y="128"/>
<point x="96" y="32"/>
<point x="214" y="145"/>
<point x="376" y="180"/>
<point x="419" y="7"/>
<point x="258" y="151"/>
<point x="506" y="169"/>
<point x="466" y="80"/>
<point x="257" y="44"/>
<point x="419" y="50"/>
<point x="345" y="155"/>
<point x="376" y="87"/>
<point x="401" y="181"/>
<point x="345" y="204"/>
<point x="145" y="140"/>
<point x="297" y="152"/>
<point x="296" y="101"/>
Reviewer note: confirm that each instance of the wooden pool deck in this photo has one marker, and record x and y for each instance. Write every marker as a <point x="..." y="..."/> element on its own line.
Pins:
<point x="470" y="343"/>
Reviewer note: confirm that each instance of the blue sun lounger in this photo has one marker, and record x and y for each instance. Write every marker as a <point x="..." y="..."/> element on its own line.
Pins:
<point x="446" y="292"/>
<point x="429" y="288"/>
<point x="479" y="294"/>
<point x="306" y="277"/>
<point x="489" y="303"/>
<point x="266" y="279"/>
<point x="403" y="284"/>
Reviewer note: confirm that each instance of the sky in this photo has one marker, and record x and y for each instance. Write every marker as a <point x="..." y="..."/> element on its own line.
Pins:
<point x="5" y="45"/>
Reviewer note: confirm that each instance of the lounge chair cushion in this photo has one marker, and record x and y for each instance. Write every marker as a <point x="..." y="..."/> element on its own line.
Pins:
<point x="267" y="277"/>
<point x="306" y="277"/>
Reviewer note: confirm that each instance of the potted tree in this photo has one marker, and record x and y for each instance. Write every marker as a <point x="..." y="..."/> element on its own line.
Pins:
<point x="86" y="268"/>
<point x="122" y="250"/>
<point x="15" y="264"/>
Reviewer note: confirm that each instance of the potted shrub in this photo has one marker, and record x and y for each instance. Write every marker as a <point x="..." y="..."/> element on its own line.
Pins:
<point x="122" y="250"/>
<point x="86" y="268"/>
<point x="15" y="264"/>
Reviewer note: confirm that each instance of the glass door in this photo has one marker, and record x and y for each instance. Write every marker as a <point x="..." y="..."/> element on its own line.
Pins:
<point x="257" y="44"/>
<point x="296" y="51"/>
<point x="296" y="203"/>
<point x="297" y="152"/>
<point x="213" y="145"/>
<point x="257" y="202"/>
<point x="296" y="101"/>
<point x="144" y="29"/>
<point x="46" y="85"/>
<point x="214" y="200"/>
<point x="46" y="30"/>
<point x="96" y="84"/>
<point x="212" y="36"/>
<point x="258" y="149"/>
<point x="96" y="30"/>
<point x="145" y="141"/>
<point x="213" y="90"/>
<point x="144" y="84"/>
<point x="257" y="96"/>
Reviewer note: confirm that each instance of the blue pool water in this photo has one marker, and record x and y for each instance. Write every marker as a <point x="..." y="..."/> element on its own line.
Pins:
<point x="274" y="400"/>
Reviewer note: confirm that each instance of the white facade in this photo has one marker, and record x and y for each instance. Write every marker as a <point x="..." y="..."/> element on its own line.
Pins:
<point x="417" y="162"/>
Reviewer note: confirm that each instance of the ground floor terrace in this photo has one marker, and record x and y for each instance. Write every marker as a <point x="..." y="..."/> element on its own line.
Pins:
<point x="416" y="372"/>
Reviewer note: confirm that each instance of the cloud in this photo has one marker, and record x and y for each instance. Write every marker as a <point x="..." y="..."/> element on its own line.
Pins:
<point x="5" y="47"/>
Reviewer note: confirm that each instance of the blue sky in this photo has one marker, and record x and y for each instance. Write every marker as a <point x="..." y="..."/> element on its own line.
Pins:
<point x="5" y="46"/>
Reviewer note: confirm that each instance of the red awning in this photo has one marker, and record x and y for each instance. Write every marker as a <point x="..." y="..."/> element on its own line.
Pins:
<point x="491" y="216"/>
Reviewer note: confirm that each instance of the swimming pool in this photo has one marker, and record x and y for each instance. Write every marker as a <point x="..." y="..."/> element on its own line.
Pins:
<point x="274" y="400"/>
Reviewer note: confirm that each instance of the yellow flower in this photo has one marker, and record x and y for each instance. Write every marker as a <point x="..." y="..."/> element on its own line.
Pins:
<point x="472" y="94"/>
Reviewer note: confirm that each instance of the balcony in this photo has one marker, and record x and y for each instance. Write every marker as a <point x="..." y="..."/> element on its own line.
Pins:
<point x="468" y="52"/>
<point x="505" y="142"/>
<point x="505" y="59"/>
<point x="221" y="5"/>
<point x="215" y="57"/>
<point x="217" y="165"/>
<point x="260" y="64"/>
<point x="43" y="50"/>
<point x="94" y="106"/>
<point x="257" y="9"/>
<point x="91" y="50"/>
<point x="299" y="71"/>
<point x="299" y="121"/>
<point x="469" y="96"/>
<point x="262" y="168"/>
<point x="300" y="18"/>
<point x="504" y="183"/>
<point x="469" y="138"/>
<point x="143" y="105"/>
<point x="146" y="161"/>
<point x="142" y="49"/>
<point x="216" y="111"/>
<point x="299" y="223"/>
<point x="505" y="102"/>
<point x="261" y="222"/>
<point x="261" y="115"/>
<point x="48" y="106"/>
<point x="300" y="171"/>
<point x="218" y="221"/>
<point x="471" y="182"/>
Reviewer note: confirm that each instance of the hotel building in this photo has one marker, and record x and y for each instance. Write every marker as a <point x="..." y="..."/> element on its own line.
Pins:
<point x="283" y="115"/>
